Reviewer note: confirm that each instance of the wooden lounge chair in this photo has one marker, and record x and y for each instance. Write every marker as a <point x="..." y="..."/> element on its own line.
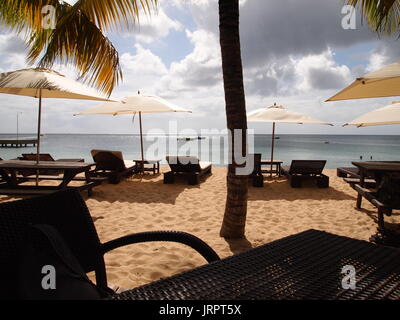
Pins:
<point x="111" y="164"/>
<point x="300" y="170"/>
<point x="67" y="212"/>
<point x="257" y="176"/>
<point x="186" y="166"/>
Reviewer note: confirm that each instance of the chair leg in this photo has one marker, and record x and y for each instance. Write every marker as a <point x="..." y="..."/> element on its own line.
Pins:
<point x="359" y="201"/>
<point x="323" y="181"/>
<point x="169" y="178"/>
<point x="194" y="179"/>
<point x="258" y="181"/>
<point x="295" y="181"/>
<point x="381" y="220"/>
<point x="341" y="174"/>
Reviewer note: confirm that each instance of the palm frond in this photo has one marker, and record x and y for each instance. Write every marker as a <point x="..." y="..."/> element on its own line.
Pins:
<point x="78" y="37"/>
<point x="107" y="14"/>
<point x="383" y="16"/>
<point x="78" y="41"/>
<point x="20" y="14"/>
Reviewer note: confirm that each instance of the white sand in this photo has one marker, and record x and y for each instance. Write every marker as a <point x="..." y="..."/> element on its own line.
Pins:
<point x="275" y="211"/>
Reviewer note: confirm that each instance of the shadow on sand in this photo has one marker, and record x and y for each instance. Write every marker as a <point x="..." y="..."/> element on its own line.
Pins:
<point x="238" y="245"/>
<point x="276" y="189"/>
<point x="144" y="189"/>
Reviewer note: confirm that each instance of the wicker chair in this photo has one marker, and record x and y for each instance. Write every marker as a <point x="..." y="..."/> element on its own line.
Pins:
<point x="68" y="213"/>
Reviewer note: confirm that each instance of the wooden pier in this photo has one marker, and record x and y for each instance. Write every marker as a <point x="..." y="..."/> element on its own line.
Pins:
<point x="17" y="143"/>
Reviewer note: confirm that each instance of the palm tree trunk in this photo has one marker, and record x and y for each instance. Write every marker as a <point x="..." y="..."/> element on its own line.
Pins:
<point x="234" y="222"/>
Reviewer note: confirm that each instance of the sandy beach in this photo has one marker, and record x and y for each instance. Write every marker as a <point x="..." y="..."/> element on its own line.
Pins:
<point x="275" y="211"/>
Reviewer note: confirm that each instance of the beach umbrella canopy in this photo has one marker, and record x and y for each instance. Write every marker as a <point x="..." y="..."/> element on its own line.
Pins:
<point x="279" y="114"/>
<point x="382" y="116"/>
<point x="44" y="83"/>
<point x="384" y="82"/>
<point x="136" y="105"/>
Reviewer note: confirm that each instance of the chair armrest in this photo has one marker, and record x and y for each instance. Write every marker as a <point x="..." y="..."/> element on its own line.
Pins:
<point x="169" y="236"/>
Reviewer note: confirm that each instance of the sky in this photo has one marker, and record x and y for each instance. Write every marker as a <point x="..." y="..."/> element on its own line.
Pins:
<point x="295" y="53"/>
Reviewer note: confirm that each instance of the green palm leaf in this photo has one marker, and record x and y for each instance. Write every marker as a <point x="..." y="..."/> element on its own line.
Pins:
<point x="78" y="38"/>
<point x="382" y="15"/>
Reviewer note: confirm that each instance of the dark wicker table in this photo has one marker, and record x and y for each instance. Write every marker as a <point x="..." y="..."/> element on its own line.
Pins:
<point x="303" y="266"/>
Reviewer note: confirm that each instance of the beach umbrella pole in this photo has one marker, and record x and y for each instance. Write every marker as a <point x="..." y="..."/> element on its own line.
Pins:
<point x="38" y="135"/>
<point x="272" y="146"/>
<point x="141" y="141"/>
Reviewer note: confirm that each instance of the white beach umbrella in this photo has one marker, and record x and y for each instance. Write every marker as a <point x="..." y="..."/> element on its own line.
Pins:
<point x="45" y="83"/>
<point x="133" y="105"/>
<point x="381" y="83"/>
<point x="382" y="116"/>
<point x="280" y="114"/>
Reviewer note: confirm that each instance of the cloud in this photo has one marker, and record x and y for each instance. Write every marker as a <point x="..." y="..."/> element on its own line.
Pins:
<point x="141" y="71"/>
<point x="200" y="68"/>
<point x="275" y="28"/>
<point x="12" y="52"/>
<point x="153" y="28"/>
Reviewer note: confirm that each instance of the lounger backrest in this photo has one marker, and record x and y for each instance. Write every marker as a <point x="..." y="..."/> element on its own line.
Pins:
<point x="183" y="164"/>
<point x="33" y="157"/>
<point x="307" y="166"/>
<point x="108" y="160"/>
<point x="257" y="163"/>
<point x="64" y="210"/>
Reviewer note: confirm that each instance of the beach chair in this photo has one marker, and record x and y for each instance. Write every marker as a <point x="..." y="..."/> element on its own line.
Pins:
<point x="257" y="176"/>
<point x="111" y="164"/>
<point x="301" y="170"/>
<point x="67" y="212"/>
<point x="189" y="167"/>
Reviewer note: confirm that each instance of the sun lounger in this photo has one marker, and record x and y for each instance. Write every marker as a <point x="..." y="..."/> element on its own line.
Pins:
<point x="67" y="212"/>
<point x="301" y="170"/>
<point x="111" y="164"/>
<point x="189" y="167"/>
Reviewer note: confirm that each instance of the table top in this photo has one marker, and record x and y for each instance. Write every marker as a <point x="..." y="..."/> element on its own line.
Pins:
<point x="378" y="165"/>
<point x="59" y="165"/>
<point x="308" y="265"/>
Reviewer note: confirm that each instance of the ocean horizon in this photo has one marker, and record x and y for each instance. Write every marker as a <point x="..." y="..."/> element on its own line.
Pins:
<point x="338" y="150"/>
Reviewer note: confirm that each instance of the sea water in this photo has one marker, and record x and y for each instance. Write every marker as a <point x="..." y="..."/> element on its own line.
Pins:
<point x="338" y="150"/>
